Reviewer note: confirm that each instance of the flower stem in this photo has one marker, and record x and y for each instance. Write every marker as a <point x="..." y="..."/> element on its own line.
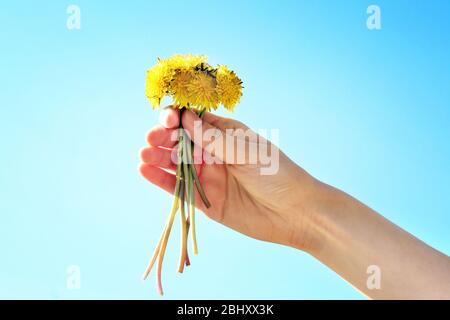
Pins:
<point x="188" y="223"/>
<point x="192" y="218"/>
<point x="200" y="190"/>
<point x="154" y="256"/>
<point x="164" y="243"/>
<point x="186" y="178"/>
<point x="170" y="221"/>
<point x="189" y="183"/>
<point x="183" y="250"/>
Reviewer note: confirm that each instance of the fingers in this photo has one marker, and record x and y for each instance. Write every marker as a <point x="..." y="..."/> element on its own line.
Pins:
<point x="211" y="134"/>
<point x="170" y="117"/>
<point x="223" y="123"/>
<point x="158" y="177"/>
<point x="160" y="136"/>
<point x="211" y="121"/>
<point x="163" y="158"/>
<point x="224" y="140"/>
<point x="165" y="134"/>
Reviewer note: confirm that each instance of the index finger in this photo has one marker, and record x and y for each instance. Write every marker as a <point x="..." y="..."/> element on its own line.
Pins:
<point x="170" y="117"/>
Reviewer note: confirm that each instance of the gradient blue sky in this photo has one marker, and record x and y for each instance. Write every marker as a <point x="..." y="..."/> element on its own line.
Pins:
<point x="366" y="111"/>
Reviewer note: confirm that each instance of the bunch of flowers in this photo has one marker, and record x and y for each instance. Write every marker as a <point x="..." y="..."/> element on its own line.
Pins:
<point x="194" y="85"/>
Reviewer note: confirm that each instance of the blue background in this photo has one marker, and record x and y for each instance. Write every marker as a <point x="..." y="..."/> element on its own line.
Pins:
<point x="366" y="111"/>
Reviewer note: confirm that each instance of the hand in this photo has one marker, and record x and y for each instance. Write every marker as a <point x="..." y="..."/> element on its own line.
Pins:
<point x="267" y="207"/>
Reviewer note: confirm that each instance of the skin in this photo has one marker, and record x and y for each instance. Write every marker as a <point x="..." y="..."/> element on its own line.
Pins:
<point x="293" y="208"/>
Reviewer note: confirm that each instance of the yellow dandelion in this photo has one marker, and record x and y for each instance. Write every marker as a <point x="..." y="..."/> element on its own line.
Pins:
<point x="202" y="90"/>
<point x="179" y="88"/>
<point x="229" y="87"/>
<point x="193" y="83"/>
<point x="157" y="84"/>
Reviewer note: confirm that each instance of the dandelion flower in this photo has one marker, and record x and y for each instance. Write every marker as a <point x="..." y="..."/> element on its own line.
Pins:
<point x="158" y="79"/>
<point x="229" y="87"/>
<point x="203" y="91"/>
<point x="179" y="88"/>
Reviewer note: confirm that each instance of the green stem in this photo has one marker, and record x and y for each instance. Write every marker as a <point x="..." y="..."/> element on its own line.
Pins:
<point x="169" y="222"/>
<point x="201" y="113"/>
<point x="193" y="171"/>
<point x="186" y="177"/>
<point x="200" y="190"/>
<point x="183" y="249"/>
<point x="189" y="187"/>
<point x="155" y="255"/>
<point x="188" y="224"/>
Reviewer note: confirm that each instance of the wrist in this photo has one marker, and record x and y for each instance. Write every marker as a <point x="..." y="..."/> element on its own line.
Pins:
<point x="313" y="221"/>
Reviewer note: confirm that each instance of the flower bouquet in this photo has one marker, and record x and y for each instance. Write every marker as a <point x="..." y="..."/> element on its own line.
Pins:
<point x="197" y="86"/>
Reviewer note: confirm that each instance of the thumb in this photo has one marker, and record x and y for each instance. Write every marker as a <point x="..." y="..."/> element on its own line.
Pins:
<point x="204" y="134"/>
<point x="223" y="139"/>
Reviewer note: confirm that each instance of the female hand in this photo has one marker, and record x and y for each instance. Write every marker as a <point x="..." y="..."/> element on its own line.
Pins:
<point x="271" y="207"/>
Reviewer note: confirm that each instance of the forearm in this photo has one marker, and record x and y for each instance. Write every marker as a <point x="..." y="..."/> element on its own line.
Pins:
<point x="349" y="237"/>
